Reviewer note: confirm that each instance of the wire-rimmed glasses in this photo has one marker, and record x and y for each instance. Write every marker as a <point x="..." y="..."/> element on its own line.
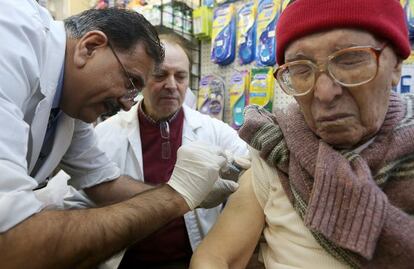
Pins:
<point x="165" y="145"/>
<point x="348" y="67"/>
<point x="132" y="91"/>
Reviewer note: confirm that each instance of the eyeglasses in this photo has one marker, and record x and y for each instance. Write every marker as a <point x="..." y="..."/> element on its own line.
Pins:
<point x="165" y="146"/>
<point x="348" y="67"/>
<point x="132" y="91"/>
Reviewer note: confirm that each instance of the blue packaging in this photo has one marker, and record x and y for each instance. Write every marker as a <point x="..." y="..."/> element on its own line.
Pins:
<point x="408" y="6"/>
<point x="268" y="13"/>
<point x="223" y="38"/>
<point x="246" y="29"/>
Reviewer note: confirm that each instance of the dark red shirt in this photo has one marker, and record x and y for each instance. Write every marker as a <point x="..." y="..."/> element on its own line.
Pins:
<point x="171" y="242"/>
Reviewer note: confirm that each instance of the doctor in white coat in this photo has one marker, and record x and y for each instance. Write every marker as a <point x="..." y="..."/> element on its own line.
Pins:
<point x="122" y="137"/>
<point x="54" y="78"/>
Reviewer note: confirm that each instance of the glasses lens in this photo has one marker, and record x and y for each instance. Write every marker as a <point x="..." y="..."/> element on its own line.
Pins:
<point x="131" y="94"/>
<point x="296" y="78"/>
<point x="353" y="67"/>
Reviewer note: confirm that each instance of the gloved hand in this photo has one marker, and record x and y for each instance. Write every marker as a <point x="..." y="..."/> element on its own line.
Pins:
<point x="221" y="190"/>
<point x="243" y="162"/>
<point x="196" y="170"/>
<point x="227" y="184"/>
<point x="235" y="167"/>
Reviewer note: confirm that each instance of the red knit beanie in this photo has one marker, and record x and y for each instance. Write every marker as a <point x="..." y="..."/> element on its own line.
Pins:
<point x="383" y="18"/>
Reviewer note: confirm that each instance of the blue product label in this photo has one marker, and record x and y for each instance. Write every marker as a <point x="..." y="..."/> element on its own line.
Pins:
<point x="260" y="76"/>
<point x="237" y="79"/>
<point x="257" y="94"/>
<point x="203" y="82"/>
<point x="215" y="107"/>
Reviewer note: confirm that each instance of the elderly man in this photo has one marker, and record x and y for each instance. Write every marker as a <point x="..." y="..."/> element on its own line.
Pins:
<point x="55" y="77"/>
<point x="144" y="142"/>
<point x="331" y="184"/>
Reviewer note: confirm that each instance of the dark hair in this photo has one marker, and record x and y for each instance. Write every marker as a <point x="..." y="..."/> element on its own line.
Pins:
<point x="124" y="29"/>
<point x="179" y="41"/>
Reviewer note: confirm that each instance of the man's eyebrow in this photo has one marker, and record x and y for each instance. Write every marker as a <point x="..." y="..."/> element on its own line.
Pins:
<point x="159" y="71"/>
<point x="182" y="72"/>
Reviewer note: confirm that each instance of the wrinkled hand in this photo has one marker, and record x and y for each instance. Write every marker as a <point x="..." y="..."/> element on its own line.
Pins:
<point x="196" y="170"/>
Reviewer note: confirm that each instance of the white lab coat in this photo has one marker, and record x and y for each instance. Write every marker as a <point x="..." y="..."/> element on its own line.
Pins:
<point x="119" y="137"/>
<point x="32" y="53"/>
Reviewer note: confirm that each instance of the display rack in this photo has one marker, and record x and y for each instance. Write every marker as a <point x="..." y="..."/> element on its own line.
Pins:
<point x="175" y="17"/>
<point x="280" y="100"/>
<point x="171" y="17"/>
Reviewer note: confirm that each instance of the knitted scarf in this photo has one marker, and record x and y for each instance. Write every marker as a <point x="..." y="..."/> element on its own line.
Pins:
<point x="356" y="205"/>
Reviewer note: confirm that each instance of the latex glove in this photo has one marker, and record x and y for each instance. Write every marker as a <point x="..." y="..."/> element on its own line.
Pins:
<point x="196" y="170"/>
<point x="221" y="190"/>
<point x="227" y="184"/>
<point x="235" y="166"/>
<point x="243" y="161"/>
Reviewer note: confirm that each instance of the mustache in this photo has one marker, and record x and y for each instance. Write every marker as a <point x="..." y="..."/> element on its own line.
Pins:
<point x="112" y="107"/>
<point x="169" y="96"/>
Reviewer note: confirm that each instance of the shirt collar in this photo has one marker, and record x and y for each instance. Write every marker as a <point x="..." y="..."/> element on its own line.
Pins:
<point x="151" y="120"/>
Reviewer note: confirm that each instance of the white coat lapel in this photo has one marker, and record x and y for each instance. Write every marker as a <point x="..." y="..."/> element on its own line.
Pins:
<point x="38" y="129"/>
<point x="191" y="124"/>
<point x="134" y="136"/>
<point x="54" y="57"/>
<point x="61" y="142"/>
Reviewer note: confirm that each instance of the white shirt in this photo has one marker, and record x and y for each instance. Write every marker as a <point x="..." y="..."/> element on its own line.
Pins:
<point x="289" y="244"/>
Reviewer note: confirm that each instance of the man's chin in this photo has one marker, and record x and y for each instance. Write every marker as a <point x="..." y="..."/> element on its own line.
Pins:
<point x="88" y="118"/>
<point x="89" y="115"/>
<point x="112" y="107"/>
<point x="167" y="113"/>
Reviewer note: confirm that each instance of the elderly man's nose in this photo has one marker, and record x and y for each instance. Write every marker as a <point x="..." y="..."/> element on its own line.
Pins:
<point x="326" y="89"/>
<point x="170" y="82"/>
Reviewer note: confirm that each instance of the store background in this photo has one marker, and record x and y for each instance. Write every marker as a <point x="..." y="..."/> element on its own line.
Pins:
<point x="172" y="16"/>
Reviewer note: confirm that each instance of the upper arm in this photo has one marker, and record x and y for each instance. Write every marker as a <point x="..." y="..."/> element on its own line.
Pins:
<point x="234" y="237"/>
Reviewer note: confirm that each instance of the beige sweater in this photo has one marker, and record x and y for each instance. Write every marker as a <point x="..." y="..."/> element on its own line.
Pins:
<point x="289" y="244"/>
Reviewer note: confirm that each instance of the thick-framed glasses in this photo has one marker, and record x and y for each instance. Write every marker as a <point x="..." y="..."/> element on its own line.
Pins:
<point x="350" y="67"/>
<point x="132" y="90"/>
<point x="165" y="145"/>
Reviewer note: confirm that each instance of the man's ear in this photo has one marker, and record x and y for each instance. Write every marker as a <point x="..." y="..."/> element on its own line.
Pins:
<point x="396" y="72"/>
<point x="87" y="46"/>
